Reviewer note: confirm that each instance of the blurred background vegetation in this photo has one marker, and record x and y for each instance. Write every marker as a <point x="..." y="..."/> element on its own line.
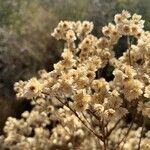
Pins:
<point x="25" y="42"/>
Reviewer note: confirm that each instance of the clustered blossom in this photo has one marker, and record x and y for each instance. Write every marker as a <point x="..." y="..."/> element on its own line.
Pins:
<point x="32" y="89"/>
<point x="75" y="105"/>
<point x="132" y="141"/>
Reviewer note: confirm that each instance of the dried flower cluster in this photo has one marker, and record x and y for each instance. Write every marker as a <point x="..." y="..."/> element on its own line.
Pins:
<point x="74" y="105"/>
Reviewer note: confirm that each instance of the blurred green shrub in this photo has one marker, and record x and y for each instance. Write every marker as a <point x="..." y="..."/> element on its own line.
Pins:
<point x="24" y="42"/>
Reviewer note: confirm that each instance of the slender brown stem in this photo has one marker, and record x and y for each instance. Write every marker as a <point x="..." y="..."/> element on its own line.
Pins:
<point x="104" y="135"/>
<point x="90" y="125"/>
<point x="86" y="119"/>
<point x="92" y="113"/>
<point x="105" y="147"/>
<point x="65" y="129"/>
<point x="104" y="132"/>
<point x="130" y="127"/>
<point x="110" y="131"/>
<point x="127" y="133"/>
<point x="139" y="144"/>
<point x="75" y="113"/>
<point x="125" y="137"/>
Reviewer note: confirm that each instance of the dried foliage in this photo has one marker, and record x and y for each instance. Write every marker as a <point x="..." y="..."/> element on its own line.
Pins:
<point x="75" y="105"/>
